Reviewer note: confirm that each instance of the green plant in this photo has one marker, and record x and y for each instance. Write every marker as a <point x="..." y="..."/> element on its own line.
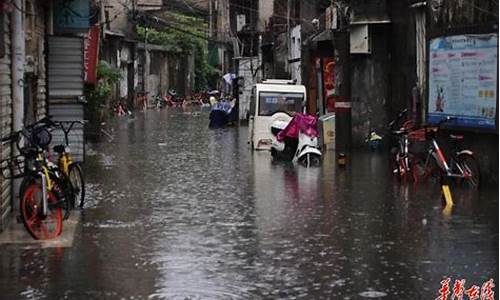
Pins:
<point x="186" y="36"/>
<point x="98" y="107"/>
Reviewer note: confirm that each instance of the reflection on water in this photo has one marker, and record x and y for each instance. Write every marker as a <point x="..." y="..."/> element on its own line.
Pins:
<point x="178" y="211"/>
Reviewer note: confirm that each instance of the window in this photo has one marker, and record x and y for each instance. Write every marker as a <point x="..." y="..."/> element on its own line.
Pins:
<point x="271" y="102"/>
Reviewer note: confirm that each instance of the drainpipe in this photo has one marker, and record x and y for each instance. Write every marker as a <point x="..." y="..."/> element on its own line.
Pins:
<point x="18" y="57"/>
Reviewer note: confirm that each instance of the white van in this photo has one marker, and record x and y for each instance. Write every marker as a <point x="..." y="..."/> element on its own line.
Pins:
<point x="268" y="98"/>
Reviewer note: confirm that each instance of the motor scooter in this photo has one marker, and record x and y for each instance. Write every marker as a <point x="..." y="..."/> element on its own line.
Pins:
<point x="295" y="138"/>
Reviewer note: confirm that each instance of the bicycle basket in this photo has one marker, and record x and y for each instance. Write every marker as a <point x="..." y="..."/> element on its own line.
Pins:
<point x="13" y="167"/>
<point x="37" y="137"/>
<point x="42" y="137"/>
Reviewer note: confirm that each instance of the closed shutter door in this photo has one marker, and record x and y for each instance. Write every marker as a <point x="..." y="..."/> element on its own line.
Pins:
<point x="5" y="122"/>
<point x="65" y="69"/>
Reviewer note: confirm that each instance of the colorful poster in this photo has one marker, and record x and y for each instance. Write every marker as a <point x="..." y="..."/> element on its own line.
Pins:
<point x="329" y="83"/>
<point x="90" y="54"/>
<point x="463" y="80"/>
<point x="71" y="16"/>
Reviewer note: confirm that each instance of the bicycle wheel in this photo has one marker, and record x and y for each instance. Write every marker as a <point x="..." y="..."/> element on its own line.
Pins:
<point x="428" y="169"/>
<point x="406" y="172"/>
<point x="63" y="190"/>
<point x="76" y="178"/>
<point x="471" y="170"/>
<point x="39" y="226"/>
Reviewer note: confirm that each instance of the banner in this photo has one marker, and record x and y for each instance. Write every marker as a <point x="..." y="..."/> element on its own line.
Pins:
<point x="329" y="83"/>
<point x="91" y="54"/>
<point x="463" y="80"/>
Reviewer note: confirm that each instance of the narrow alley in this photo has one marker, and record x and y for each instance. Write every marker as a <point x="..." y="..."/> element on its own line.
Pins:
<point x="177" y="211"/>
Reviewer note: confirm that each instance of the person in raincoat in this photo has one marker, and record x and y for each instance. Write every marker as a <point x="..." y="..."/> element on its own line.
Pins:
<point x="219" y="116"/>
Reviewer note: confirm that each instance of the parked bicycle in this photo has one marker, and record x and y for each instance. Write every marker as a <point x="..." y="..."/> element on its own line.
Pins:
<point x="403" y="161"/>
<point x="42" y="196"/>
<point x="71" y="169"/>
<point x="462" y="164"/>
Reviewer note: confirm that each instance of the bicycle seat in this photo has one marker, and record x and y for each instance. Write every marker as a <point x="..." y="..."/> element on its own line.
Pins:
<point x="456" y="137"/>
<point x="59" y="149"/>
<point x="400" y="132"/>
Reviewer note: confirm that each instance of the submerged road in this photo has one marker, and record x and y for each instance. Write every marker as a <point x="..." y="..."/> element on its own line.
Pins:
<point x="178" y="211"/>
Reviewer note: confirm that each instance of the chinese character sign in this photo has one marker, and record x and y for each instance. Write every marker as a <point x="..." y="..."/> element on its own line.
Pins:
<point x="91" y="54"/>
<point x="71" y="16"/>
<point x="463" y="79"/>
<point x="460" y="292"/>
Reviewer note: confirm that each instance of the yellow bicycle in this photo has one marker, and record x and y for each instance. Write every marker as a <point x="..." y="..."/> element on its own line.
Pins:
<point x="72" y="170"/>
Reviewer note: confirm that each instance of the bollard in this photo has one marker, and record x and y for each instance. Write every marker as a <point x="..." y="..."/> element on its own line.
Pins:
<point x="448" y="198"/>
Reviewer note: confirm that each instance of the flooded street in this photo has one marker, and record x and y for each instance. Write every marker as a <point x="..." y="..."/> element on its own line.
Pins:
<point x="177" y="211"/>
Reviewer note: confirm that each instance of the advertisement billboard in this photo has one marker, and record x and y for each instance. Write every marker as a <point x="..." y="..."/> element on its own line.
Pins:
<point x="463" y="80"/>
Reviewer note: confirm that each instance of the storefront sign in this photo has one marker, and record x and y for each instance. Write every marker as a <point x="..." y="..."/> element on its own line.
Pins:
<point x="91" y="54"/>
<point x="71" y="16"/>
<point x="463" y="80"/>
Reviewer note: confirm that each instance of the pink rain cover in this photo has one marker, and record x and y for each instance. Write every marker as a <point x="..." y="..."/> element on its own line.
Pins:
<point x="304" y="123"/>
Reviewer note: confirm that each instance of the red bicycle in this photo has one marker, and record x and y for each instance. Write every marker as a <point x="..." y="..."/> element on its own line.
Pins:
<point x="462" y="164"/>
<point x="403" y="162"/>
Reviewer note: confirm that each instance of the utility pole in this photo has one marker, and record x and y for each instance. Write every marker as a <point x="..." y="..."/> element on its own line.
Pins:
<point x="147" y="62"/>
<point x="342" y="51"/>
<point x="288" y="46"/>
<point x="210" y="19"/>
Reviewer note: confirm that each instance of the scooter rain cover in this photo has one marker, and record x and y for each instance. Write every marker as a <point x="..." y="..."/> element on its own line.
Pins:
<point x="300" y="122"/>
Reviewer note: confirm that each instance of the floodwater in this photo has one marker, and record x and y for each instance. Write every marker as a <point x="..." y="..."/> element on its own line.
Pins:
<point x="177" y="211"/>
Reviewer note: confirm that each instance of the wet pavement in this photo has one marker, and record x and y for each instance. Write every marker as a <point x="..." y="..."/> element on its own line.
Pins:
<point x="178" y="211"/>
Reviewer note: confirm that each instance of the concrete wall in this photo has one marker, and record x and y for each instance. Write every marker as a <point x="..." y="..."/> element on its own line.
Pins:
<point x="35" y="61"/>
<point x="402" y="43"/>
<point x="266" y="11"/>
<point x="5" y="120"/>
<point x="116" y="11"/>
<point x="370" y="85"/>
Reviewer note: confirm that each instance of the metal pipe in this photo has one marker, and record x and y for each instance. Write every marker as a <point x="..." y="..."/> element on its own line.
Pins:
<point x="18" y="59"/>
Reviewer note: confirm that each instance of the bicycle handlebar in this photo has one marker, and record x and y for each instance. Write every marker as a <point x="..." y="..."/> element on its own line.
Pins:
<point x="399" y="117"/>
<point x="46" y="121"/>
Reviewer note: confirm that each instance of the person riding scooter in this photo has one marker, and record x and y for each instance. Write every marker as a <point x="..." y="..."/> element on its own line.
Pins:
<point x="296" y="138"/>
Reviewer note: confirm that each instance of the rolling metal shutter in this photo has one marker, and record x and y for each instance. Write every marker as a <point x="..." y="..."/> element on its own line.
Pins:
<point x="5" y="122"/>
<point x="65" y="85"/>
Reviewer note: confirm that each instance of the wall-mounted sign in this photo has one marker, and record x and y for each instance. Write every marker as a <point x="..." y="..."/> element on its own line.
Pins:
<point x="71" y="16"/>
<point x="463" y="80"/>
<point x="91" y="54"/>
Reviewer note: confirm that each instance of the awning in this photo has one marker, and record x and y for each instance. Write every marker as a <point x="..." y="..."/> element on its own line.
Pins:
<point x="370" y="17"/>
<point x="325" y="35"/>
